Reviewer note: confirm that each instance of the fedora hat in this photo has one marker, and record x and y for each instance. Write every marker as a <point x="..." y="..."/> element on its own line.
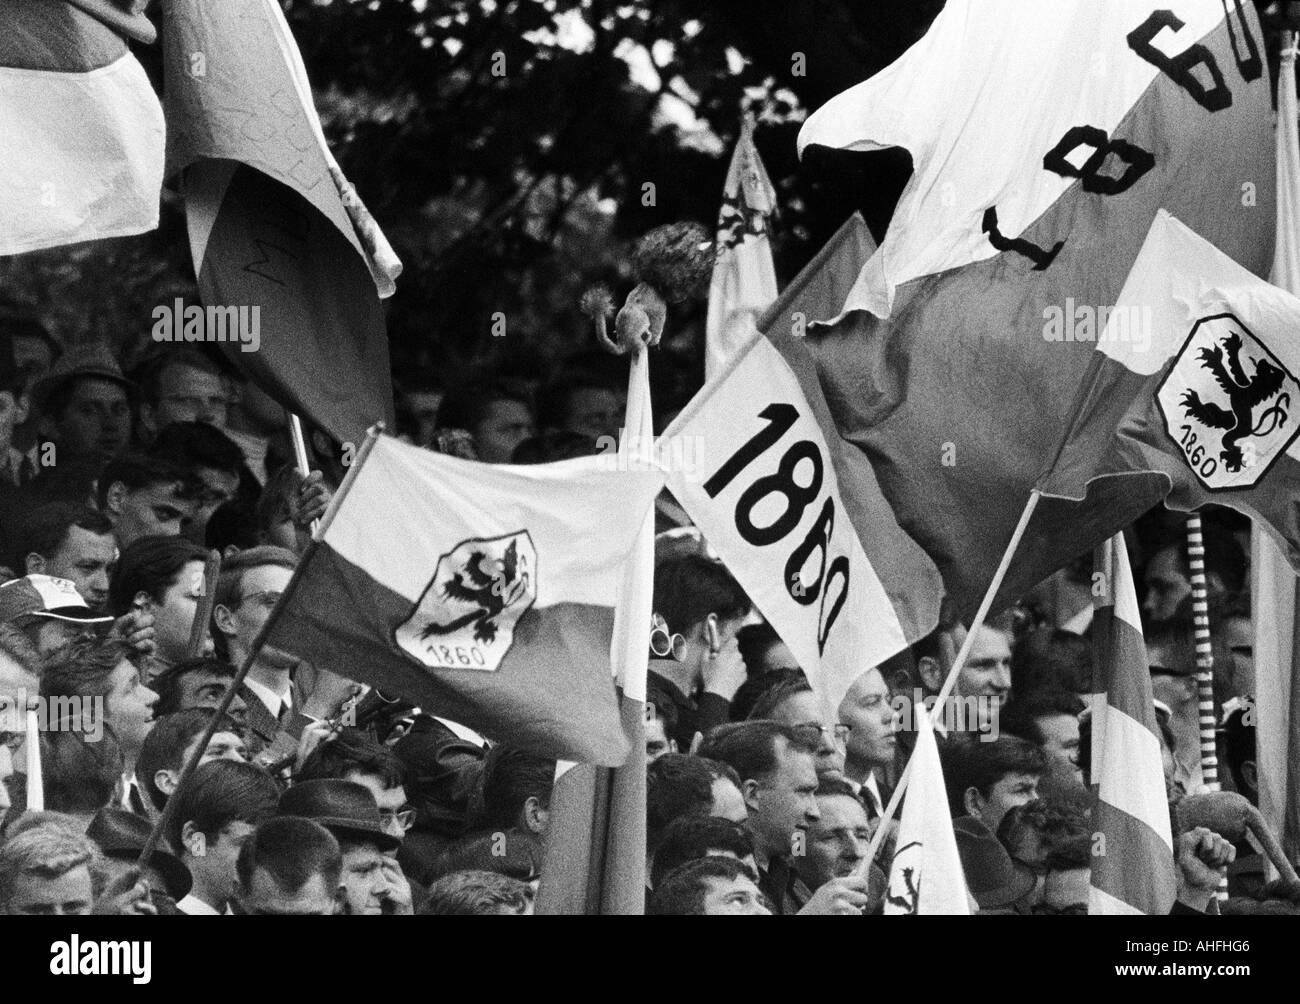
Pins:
<point x="122" y="835"/>
<point x="87" y="360"/>
<point x="345" y="808"/>
<point x="993" y="877"/>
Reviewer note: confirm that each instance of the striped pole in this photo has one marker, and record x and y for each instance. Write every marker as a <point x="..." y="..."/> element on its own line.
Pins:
<point x="1204" y="664"/>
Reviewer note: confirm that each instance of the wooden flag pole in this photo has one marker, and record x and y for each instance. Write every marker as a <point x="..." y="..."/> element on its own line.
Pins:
<point x="936" y="714"/>
<point x="35" y="780"/>
<point x="300" y="455"/>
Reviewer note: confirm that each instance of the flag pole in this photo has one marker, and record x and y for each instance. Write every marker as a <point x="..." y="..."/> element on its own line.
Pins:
<point x="1204" y="653"/>
<point x="35" y="780"/>
<point x="219" y="713"/>
<point x="203" y="612"/>
<point x="936" y="714"/>
<point x="300" y="454"/>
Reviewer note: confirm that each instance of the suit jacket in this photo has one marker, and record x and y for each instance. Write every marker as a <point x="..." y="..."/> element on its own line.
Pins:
<point x="264" y="731"/>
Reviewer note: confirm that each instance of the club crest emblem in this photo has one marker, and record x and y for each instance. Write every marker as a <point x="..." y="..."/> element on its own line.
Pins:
<point x="1226" y="403"/>
<point x="904" y="891"/>
<point x="466" y="617"/>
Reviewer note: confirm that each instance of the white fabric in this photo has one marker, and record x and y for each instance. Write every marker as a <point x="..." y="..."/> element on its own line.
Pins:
<point x="195" y="907"/>
<point x="269" y="697"/>
<point x="988" y="91"/>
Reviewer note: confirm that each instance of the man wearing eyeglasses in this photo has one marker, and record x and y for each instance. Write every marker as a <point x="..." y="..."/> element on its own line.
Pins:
<point x="791" y="701"/>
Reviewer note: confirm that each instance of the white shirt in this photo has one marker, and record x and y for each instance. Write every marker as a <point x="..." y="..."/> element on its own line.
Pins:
<point x="269" y="697"/>
<point x="195" y="907"/>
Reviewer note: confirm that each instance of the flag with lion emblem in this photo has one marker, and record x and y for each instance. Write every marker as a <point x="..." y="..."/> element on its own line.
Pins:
<point x="482" y="592"/>
<point x="1194" y="378"/>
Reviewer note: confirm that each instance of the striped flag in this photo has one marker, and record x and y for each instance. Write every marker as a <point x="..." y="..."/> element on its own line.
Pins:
<point x="926" y="877"/>
<point x="484" y="593"/>
<point x="799" y="519"/>
<point x="967" y="334"/>
<point x="272" y="221"/>
<point x="82" y="130"/>
<point x="1133" y="851"/>
<point x="744" y="278"/>
<point x="595" y="847"/>
<point x="1275" y="606"/>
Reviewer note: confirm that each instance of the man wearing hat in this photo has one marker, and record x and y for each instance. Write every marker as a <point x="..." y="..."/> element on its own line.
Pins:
<point x="49" y="611"/>
<point x="121" y="836"/>
<point x="999" y="883"/>
<point x="372" y="882"/>
<point x="85" y="404"/>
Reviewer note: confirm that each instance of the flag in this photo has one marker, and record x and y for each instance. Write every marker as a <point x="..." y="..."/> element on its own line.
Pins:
<point x="1275" y="610"/>
<point x="1133" y="851"/>
<point x="593" y="859"/>
<point x="966" y="336"/>
<point x="83" y="131"/>
<point x="483" y="593"/>
<point x="744" y="278"/>
<point x="797" y="518"/>
<point x="926" y="876"/>
<point x="272" y="221"/>
<point x="1191" y="383"/>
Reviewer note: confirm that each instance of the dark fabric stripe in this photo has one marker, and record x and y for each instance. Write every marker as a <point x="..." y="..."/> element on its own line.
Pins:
<point x="1120" y="667"/>
<point x="1135" y="865"/>
<point x="48" y="35"/>
<point x="553" y="693"/>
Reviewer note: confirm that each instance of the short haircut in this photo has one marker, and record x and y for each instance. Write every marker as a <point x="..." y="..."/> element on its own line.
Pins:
<point x="230" y="581"/>
<point x="291" y="850"/>
<point x="476" y="894"/>
<point x="467" y="405"/>
<point x="680" y="785"/>
<point x="222" y="792"/>
<point x="755" y="641"/>
<point x="1051" y="659"/>
<point x="354" y="750"/>
<point x="198" y="444"/>
<point x="150" y="565"/>
<point x="782" y="684"/>
<point x="682" y="892"/>
<point x="80" y="776"/>
<point x="750" y="747"/>
<point x="511" y="776"/>
<point x="138" y="470"/>
<point x="981" y="765"/>
<point x="1062" y="827"/>
<point x="148" y="375"/>
<point x="689" y="587"/>
<point x="1239" y="744"/>
<point x="46" y="851"/>
<point x="1020" y="715"/>
<point x="82" y="668"/>
<point x="167" y="684"/>
<point x="165" y="745"/>
<point x="43" y="529"/>
<point x="692" y="837"/>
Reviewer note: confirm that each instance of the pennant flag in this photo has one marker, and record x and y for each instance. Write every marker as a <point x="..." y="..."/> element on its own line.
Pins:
<point x="484" y="593"/>
<point x="967" y="335"/>
<point x="82" y="128"/>
<point x="798" y="518"/>
<point x="926" y="877"/>
<point x="744" y="278"/>
<point x="1192" y="382"/>
<point x="1133" y="867"/>
<point x="593" y="859"/>
<point x="273" y="223"/>
<point x="1273" y="581"/>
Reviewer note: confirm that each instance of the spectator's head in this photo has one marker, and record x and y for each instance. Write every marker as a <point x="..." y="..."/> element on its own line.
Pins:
<point x="708" y="887"/>
<point x="1055" y="841"/>
<point x="987" y="671"/>
<point x="1168" y="576"/>
<point x="873" y="721"/>
<point x="212" y="458"/>
<point x="763" y="650"/>
<point x="678" y="785"/>
<point x="516" y="790"/>
<point x="218" y="810"/>
<point x="85" y="403"/>
<point x="195" y="683"/>
<point x="1051" y="659"/>
<point x="698" y="836"/>
<point x="248" y="588"/>
<point x="478" y="894"/>
<point x="660" y="725"/>
<point x="91" y="668"/>
<point x="354" y="756"/>
<point x="163" y="576"/>
<point x="70" y="541"/>
<point x="81" y="774"/>
<point x="497" y="413"/>
<point x="1239" y="750"/>
<point x="790" y="700"/>
<point x="182" y="384"/>
<point x="289" y="866"/>
<point x="1051" y="720"/>
<point x="47" y="612"/>
<point x="48" y="870"/>
<point x="699" y="598"/>
<point x="144" y="496"/>
<point x="985" y="779"/>
<point x="837" y="842"/>
<point x="170" y="744"/>
<point x="582" y="402"/>
<point x="778" y="779"/>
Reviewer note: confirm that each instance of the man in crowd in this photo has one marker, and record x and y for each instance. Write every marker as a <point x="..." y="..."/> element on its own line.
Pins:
<point x="182" y="384"/>
<point x="691" y="837"/>
<point x="985" y="677"/>
<point x="837" y="842"/>
<point x="168" y="747"/>
<point x="478" y="894"/>
<point x="218" y="810"/>
<point x="162" y="576"/>
<point x="583" y="402"/>
<point x="47" y="870"/>
<point x="67" y="541"/>
<point x="144" y="496"/>
<point x="985" y="779"/>
<point x="48" y="611"/>
<point x="873" y="721"/>
<point x="680" y="786"/>
<point x="353" y="755"/>
<point x="790" y="700"/>
<point x="289" y="866"/>
<point x="85" y="404"/>
<point x="497" y="414"/>
<point x="196" y="683"/>
<point x="214" y="461"/>
<point x="1051" y="720"/>
<point x="1168" y="577"/>
<point x="708" y="887"/>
